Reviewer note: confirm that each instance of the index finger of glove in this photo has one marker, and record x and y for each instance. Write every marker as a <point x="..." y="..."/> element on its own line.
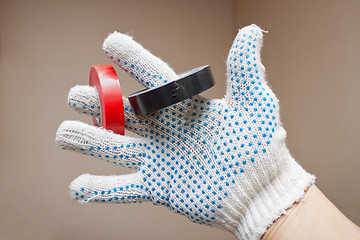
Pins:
<point x="142" y="65"/>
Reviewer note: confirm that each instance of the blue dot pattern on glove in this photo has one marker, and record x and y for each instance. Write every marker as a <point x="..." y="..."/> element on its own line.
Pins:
<point x="220" y="162"/>
<point x="198" y="148"/>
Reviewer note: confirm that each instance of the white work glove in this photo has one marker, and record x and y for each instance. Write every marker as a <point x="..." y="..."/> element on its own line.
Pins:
<point x="219" y="162"/>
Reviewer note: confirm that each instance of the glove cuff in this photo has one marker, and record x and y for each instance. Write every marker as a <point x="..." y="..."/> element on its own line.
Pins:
<point x="268" y="204"/>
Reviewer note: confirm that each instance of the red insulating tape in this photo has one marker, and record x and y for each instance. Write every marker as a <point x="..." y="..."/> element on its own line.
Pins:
<point x="104" y="78"/>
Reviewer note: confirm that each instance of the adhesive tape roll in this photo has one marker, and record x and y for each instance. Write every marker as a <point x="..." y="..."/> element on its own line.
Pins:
<point x="105" y="79"/>
<point x="189" y="84"/>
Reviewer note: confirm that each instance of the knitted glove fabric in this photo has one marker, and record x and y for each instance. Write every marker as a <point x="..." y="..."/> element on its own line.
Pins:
<point x="219" y="162"/>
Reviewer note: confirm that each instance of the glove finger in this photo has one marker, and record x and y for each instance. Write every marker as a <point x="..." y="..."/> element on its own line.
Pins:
<point x="102" y="144"/>
<point x="84" y="99"/>
<point x="109" y="189"/>
<point x="245" y="73"/>
<point x="142" y="65"/>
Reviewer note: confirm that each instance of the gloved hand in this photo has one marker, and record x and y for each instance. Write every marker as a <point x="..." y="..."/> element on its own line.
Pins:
<point x="220" y="162"/>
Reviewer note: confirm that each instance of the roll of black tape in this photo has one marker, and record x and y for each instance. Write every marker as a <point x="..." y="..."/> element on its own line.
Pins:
<point x="189" y="84"/>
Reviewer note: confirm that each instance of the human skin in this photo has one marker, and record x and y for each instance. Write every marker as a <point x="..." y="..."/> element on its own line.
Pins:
<point x="316" y="217"/>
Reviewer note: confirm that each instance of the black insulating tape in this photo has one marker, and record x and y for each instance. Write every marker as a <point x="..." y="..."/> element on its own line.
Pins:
<point x="189" y="84"/>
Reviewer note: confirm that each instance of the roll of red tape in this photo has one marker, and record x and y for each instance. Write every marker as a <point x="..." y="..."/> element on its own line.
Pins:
<point x="105" y="79"/>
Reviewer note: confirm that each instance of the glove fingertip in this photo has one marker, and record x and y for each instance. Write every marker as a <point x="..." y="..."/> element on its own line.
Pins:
<point x="118" y="39"/>
<point x="80" y="91"/>
<point x="77" y="187"/>
<point x="253" y="29"/>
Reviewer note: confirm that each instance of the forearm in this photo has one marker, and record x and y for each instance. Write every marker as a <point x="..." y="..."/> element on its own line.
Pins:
<point x="313" y="218"/>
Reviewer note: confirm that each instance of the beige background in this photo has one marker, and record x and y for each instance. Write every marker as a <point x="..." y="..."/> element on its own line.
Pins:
<point x="312" y="56"/>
